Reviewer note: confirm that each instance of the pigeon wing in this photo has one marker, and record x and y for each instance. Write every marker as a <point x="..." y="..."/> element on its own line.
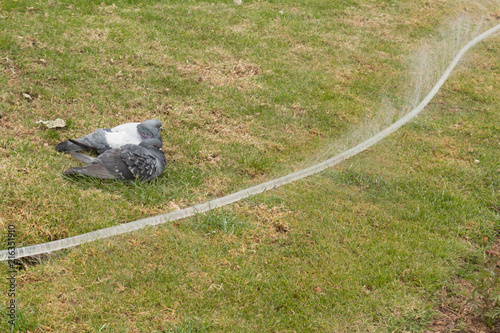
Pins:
<point x="142" y="162"/>
<point x="109" y="165"/>
<point x="95" y="141"/>
<point x="82" y="157"/>
<point x="113" y="162"/>
<point x="68" y="146"/>
<point x="92" y="170"/>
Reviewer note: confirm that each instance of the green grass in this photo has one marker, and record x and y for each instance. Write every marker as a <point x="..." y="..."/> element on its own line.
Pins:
<point x="247" y="94"/>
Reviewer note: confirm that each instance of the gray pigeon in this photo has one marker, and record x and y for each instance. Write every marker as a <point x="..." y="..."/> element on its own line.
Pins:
<point x="103" y="139"/>
<point x="144" y="161"/>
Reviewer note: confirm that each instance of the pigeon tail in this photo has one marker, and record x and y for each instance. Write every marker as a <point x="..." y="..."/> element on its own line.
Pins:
<point x="67" y="146"/>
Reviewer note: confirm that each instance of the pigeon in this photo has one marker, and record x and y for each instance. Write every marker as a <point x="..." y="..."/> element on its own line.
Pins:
<point x="103" y="139"/>
<point x="144" y="161"/>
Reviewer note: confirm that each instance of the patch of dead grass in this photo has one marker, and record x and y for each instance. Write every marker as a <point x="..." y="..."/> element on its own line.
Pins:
<point x="230" y="73"/>
<point x="97" y="34"/>
<point x="222" y="129"/>
<point x="271" y="222"/>
<point x="11" y="70"/>
<point x="216" y="127"/>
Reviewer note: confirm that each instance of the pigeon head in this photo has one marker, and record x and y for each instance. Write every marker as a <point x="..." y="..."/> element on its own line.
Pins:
<point x="150" y="129"/>
<point x="152" y="144"/>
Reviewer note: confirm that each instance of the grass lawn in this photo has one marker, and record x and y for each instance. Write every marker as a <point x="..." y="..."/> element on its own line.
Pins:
<point x="246" y="94"/>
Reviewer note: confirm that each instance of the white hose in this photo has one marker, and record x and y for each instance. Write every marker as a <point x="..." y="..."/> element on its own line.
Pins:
<point x="204" y="207"/>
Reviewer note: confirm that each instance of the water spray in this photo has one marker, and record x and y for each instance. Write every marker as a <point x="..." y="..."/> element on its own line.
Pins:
<point x="234" y="197"/>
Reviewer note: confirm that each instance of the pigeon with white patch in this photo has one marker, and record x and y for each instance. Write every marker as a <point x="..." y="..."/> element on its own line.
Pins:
<point x="145" y="161"/>
<point x="103" y="139"/>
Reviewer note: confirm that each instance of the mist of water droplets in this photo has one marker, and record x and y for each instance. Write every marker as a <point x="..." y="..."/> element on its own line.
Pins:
<point x="424" y="67"/>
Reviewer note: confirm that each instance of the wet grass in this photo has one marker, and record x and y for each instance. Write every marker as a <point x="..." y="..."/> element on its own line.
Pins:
<point x="247" y="93"/>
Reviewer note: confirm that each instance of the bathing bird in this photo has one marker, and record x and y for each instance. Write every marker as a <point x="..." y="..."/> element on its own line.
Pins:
<point x="103" y="139"/>
<point x="144" y="161"/>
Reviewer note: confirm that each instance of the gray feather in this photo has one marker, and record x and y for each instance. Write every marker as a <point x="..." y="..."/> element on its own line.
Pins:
<point x="93" y="170"/>
<point x="82" y="158"/>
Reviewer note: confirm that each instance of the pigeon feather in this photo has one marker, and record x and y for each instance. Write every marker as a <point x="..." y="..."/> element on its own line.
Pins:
<point x="82" y="157"/>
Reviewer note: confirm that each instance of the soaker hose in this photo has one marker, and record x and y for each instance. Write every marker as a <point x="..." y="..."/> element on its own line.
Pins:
<point x="228" y="199"/>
